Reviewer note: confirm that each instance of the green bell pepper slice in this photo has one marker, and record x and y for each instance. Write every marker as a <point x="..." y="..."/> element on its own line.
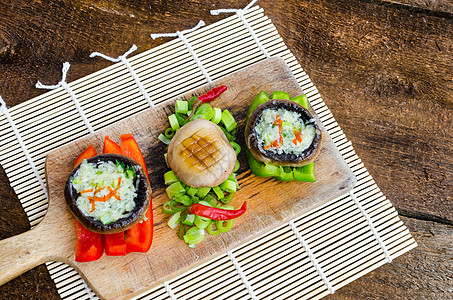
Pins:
<point x="261" y="98"/>
<point x="305" y="173"/>
<point x="261" y="169"/>
<point x="280" y="95"/>
<point x="287" y="174"/>
<point x="302" y="100"/>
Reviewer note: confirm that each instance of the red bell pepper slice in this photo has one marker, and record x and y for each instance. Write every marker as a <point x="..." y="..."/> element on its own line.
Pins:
<point x="87" y="153"/>
<point x="115" y="244"/>
<point x="110" y="146"/>
<point x="89" y="245"/>
<point x="129" y="148"/>
<point x="140" y="236"/>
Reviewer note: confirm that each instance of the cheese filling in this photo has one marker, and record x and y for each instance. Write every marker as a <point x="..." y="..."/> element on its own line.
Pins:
<point x="283" y="131"/>
<point x="106" y="190"/>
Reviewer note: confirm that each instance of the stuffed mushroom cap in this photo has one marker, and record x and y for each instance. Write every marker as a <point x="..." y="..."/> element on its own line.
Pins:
<point x="108" y="193"/>
<point x="200" y="154"/>
<point x="283" y="133"/>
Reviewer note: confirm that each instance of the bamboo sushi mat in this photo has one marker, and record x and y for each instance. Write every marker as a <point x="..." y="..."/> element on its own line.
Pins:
<point x="310" y="257"/>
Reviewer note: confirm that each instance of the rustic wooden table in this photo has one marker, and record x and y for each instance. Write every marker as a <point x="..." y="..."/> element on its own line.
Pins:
<point x="384" y="68"/>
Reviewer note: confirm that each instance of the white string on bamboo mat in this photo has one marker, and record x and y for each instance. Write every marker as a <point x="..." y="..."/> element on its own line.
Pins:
<point x="373" y="229"/>
<point x="65" y="85"/>
<point x="123" y="59"/>
<point x="192" y="52"/>
<point x="4" y="111"/>
<point x="87" y="288"/>
<point x="242" y="275"/>
<point x="240" y="13"/>
<point x="169" y="291"/>
<point x="312" y="257"/>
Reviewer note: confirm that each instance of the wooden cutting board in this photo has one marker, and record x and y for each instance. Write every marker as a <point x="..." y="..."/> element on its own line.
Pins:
<point x="270" y="203"/>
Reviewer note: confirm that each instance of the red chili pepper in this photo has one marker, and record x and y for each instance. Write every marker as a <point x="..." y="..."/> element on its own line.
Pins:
<point x="140" y="236"/>
<point x="217" y="214"/>
<point x="115" y="244"/>
<point x="208" y="97"/>
<point x="212" y="94"/>
<point x="89" y="245"/>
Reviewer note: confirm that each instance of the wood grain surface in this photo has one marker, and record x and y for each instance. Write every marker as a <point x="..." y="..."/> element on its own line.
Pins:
<point x="383" y="68"/>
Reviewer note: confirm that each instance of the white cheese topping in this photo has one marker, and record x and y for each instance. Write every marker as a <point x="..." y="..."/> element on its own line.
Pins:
<point x="283" y="131"/>
<point x="109" y="186"/>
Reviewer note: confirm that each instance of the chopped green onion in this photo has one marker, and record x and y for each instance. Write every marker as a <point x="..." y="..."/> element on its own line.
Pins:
<point x="201" y="222"/>
<point x="212" y="228"/>
<point x="99" y="173"/>
<point x="169" y="133"/>
<point x="166" y="161"/>
<point x="163" y="139"/>
<point x="181" y="107"/>
<point x="183" y="199"/>
<point x="228" y="199"/>
<point x="224" y="226"/>
<point x="202" y="192"/>
<point x="130" y="173"/>
<point x="236" y="147"/>
<point x="193" y="236"/>
<point x="195" y="199"/>
<point x="192" y="191"/>
<point x="182" y="229"/>
<point x="236" y="167"/>
<point x="191" y="102"/>
<point x="166" y="208"/>
<point x="217" y="115"/>
<point x="280" y="95"/>
<point x="170" y="178"/>
<point x="218" y="192"/>
<point x="181" y="120"/>
<point x="211" y="199"/>
<point x="120" y="166"/>
<point x="228" y="120"/>
<point x="205" y="111"/>
<point x="205" y="203"/>
<point x="176" y="206"/>
<point x="229" y="136"/>
<point x="188" y="219"/>
<point x="174" y="124"/>
<point x="228" y="186"/>
<point x="174" y="220"/>
<point x="106" y="219"/>
<point x="174" y="189"/>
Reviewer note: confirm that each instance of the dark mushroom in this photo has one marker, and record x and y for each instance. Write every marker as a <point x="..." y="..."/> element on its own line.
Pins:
<point x="141" y="200"/>
<point x="285" y="158"/>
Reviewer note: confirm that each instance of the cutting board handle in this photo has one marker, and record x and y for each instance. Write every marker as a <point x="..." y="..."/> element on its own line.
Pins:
<point x="22" y="252"/>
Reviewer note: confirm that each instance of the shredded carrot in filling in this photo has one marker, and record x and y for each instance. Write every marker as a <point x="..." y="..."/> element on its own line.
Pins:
<point x="86" y="191"/>
<point x="112" y="193"/>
